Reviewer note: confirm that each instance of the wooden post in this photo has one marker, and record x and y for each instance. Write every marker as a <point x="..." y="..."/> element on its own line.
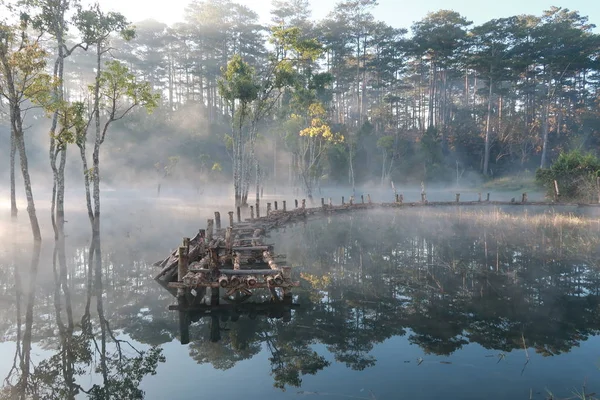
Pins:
<point x="209" y="229"/>
<point x="457" y="198"/>
<point x="275" y="206"/>
<point x="218" y="220"/>
<point x="230" y="218"/>
<point x="252" y="213"/>
<point x="330" y="202"/>
<point x="556" y="192"/>
<point x="303" y="204"/>
<point x="598" y="187"/>
<point x="479" y="197"/>
<point x="268" y="209"/>
<point x="524" y="198"/>
<point x="362" y="198"/>
<point x="239" y="214"/>
<point x="182" y="264"/>
<point x="228" y="231"/>
<point x="257" y="209"/>
<point x="343" y="201"/>
<point x="323" y="202"/>
<point x="184" y="326"/>
<point x="488" y="198"/>
<point x="397" y="198"/>
<point x="186" y="244"/>
<point x="296" y="202"/>
<point x="284" y="205"/>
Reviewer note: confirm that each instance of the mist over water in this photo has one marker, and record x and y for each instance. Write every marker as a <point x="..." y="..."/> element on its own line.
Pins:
<point x="390" y="301"/>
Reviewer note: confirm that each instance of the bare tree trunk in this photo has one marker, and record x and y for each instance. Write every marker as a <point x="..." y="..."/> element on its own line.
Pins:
<point x="86" y="181"/>
<point x="35" y="226"/>
<point x="351" y="168"/>
<point x="432" y="83"/>
<point x="275" y="165"/>
<point x="257" y="166"/>
<point x="57" y="146"/>
<point x="384" y="156"/>
<point x="13" y="193"/>
<point x="97" y="143"/>
<point x="545" y="128"/>
<point x="486" y="156"/>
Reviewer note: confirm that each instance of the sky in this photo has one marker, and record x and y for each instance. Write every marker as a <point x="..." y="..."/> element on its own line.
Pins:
<point x="397" y="13"/>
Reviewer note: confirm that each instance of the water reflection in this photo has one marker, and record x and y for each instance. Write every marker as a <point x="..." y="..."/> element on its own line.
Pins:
<point x="453" y="281"/>
<point x="74" y="348"/>
<point x="504" y="282"/>
<point x="444" y="282"/>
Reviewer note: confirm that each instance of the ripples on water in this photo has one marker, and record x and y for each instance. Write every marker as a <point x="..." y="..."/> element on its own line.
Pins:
<point x="429" y="304"/>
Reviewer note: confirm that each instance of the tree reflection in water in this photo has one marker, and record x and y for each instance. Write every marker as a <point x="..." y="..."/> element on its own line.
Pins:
<point x="504" y="281"/>
<point x="442" y="278"/>
<point x="90" y="346"/>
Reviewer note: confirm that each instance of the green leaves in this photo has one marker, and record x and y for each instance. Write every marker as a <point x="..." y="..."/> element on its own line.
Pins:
<point x="238" y="82"/>
<point x="120" y="91"/>
<point x="96" y="26"/>
<point x="22" y="68"/>
<point x="576" y="174"/>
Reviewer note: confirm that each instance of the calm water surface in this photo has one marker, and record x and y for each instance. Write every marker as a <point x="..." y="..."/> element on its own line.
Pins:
<point x="403" y="304"/>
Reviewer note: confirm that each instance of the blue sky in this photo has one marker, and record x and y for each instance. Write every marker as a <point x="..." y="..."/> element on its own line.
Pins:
<point x="400" y="14"/>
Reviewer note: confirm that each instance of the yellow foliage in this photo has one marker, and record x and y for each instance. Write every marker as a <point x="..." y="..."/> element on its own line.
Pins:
<point x="317" y="282"/>
<point x="316" y="110"/>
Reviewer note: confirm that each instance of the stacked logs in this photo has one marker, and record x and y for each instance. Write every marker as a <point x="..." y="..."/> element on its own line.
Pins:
<point x="235" y="259"/>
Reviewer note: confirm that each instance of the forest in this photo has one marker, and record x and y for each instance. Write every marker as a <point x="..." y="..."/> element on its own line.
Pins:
<point x="345" y="100"/>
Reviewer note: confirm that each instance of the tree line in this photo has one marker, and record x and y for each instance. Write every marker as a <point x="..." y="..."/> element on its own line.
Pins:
<point x="347" y="99"/>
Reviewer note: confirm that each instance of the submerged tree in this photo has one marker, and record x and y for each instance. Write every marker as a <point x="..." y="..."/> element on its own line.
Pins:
<point x="115" y="92"/>
<point x="240" y="89"/>
<point x="22" y="79"/>
<point x="50" y="17"/>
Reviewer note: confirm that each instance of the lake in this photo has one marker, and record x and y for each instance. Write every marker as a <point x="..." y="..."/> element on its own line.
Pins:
<point x="461" y="303"/>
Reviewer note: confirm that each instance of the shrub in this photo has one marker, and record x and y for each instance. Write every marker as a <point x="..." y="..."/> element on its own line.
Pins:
<point x="576" y="174"/>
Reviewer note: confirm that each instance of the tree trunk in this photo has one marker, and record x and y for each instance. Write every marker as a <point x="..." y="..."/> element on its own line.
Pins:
<point x="432" y="83"/>
<point x="545" y="112"/>
<point x="13" y="193"/>
<point x="35" y="226"/>
<point x="351" y="168"/>
<point x="86" y="181"/>
<point x="97" y="143"/>
<point x="59" y="173"/>
<point x="486" y="156"/>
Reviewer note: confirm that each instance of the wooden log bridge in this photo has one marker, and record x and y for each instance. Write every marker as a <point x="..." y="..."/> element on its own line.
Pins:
<point x="236" y="259"/>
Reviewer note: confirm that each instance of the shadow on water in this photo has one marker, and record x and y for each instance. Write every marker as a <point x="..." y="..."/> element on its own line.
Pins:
<point x="514" y="297"/>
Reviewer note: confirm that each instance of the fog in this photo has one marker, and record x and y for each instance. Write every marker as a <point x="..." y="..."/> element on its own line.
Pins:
<point x="422" y="285"/>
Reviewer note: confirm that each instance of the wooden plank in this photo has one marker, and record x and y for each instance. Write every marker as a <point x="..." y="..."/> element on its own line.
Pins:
<point x="241" y="272"/>
<point x="251" y="248"/>
<point x="240" y="308"/>
<point x="260" y="285"/>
